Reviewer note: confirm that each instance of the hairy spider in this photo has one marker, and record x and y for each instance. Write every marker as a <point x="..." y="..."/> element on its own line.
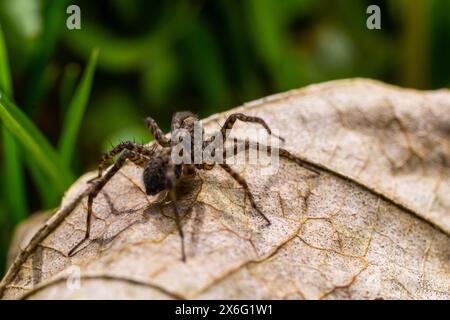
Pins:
<point x="161" y="173"/>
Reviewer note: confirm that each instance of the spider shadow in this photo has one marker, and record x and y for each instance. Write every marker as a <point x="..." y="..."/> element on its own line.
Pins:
<point x="103" y="241"/>
<point x="187" y="192"/>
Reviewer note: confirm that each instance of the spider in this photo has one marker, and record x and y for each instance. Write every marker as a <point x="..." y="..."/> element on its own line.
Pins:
<point x="161" y="173"/>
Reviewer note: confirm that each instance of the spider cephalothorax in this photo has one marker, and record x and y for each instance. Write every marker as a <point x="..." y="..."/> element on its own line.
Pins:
<point x="160" y="172"/>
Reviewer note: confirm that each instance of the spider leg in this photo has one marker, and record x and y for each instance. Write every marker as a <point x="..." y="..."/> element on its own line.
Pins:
<point x="282" y="152"/>
<point x="171" y="184"/>
<point x="136" y="158"/>
<point x="286" y="154"/>
<point x="157" y="132"/>
<point x="126" y="145"/>
<point x="230" y="121"/>
<point x="237" y="177"/>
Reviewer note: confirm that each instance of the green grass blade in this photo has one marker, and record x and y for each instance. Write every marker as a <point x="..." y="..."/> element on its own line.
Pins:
<point x="75" y="111"/>
<point x="5" y="75"/>
<point x="68" y="84"/>
<point x="14" y="189"/>
<point x="54" y="15"/>
<point x="35" y="143"/>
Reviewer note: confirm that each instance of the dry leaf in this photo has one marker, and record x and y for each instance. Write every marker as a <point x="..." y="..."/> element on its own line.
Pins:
<point x="374" y="224"/>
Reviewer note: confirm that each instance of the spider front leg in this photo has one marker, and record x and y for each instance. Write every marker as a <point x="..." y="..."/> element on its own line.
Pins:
<point x="237" y="177"/>
<point x="157" y="132"/>
<point x="126" y="145"/>
<point x="229" y="123"/>
<point x="232" y="151"/>
<point x="171" y="185"/>
<point x="136" y="158"/>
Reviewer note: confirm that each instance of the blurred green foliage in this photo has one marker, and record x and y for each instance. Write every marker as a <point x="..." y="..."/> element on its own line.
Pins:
<point x="157" y="57"/>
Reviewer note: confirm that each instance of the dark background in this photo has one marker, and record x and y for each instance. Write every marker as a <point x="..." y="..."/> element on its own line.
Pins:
<point x="157" y="57"/>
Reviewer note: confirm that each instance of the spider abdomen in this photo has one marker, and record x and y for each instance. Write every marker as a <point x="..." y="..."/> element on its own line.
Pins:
<point x="155" y="175"/>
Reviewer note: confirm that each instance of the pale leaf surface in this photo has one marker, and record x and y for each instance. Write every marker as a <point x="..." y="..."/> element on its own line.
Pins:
<point x="374" y="224"/>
